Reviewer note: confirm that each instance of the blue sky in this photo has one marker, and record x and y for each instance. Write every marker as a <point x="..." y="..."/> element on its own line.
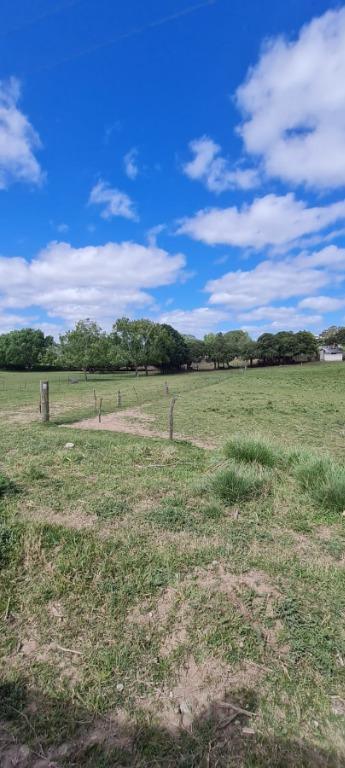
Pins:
<point x="174" y="160"/>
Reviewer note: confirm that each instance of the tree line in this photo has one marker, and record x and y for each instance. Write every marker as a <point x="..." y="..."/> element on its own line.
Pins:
<point x="139" y="344"/>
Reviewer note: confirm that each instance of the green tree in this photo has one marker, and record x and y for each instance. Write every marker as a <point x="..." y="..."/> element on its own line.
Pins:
<point x="330" y="335"/>
<point x="267" y="348"/>
<point x="196" y="350"/>
<point x="286" y="346"/>
<point x="170" y="351"/>
<point x="235" y="342"/>
<point x="135" y="340"/>
<point x="215" y="348"/>
<point x="306" y="345"/>
<point x="23" y="348"/>
<point x="86" y="348"/>
<point x="249" y="351"/>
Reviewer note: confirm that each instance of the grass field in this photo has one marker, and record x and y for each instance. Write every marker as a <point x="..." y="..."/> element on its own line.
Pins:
<point x="164" y="604"/>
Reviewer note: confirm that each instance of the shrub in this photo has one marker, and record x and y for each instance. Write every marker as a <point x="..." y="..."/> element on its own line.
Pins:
<point x="236" y="483"/>
<point x="252" y="449"/>
<point x="324" y="481"/>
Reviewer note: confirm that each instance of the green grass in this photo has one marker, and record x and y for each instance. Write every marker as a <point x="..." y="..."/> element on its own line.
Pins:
<point x="236" y="483"/>
<point x="249" y="449"/>
<point x="124" y="557"/>
<point x="5" y="485"/>
<point x="325" y="482"/>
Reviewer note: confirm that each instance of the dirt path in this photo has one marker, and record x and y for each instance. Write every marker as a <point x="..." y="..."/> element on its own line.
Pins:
<point x="133" y="421"/>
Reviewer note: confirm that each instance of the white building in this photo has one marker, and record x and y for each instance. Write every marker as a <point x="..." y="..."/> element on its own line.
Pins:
<point x="331" y="354"/>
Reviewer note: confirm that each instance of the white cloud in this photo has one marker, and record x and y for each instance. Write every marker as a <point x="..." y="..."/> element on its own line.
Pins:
<point x="102" y="282"/>
<point x="116" y="203"/>
<point x="18" y="140"/>
<point x="214" y="170"/>
<point x="153" y="233"/>
<point x="294" y="105"/>
<point x="322" y="303"/>
<point x="281" y="318"/>
<point x="271" y="220"/>
<point x="196" y="322"/>
<point x="62" y="227"/>
<point x="9" y="321"/>
<point x="130" y="164"/>
<point x="273" y="280"/>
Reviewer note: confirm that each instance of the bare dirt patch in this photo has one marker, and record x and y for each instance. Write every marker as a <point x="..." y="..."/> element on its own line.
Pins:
<point x="133" y="421"/>
<point x="111" y="732"/>
<point x="76" y="519"/>
<point x="65" y="661"/>
<point x="200" y="688"/>
<point x="173" y="614"/>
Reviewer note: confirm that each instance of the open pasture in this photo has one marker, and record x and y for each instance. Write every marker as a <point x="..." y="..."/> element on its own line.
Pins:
<point x="164" y="604"/>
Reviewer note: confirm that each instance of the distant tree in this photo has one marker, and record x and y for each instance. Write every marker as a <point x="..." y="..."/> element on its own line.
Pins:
<point x="23" y="348"/>
<point x="267" y="348"/>
<point x="134" y="340"/>
<point x="215" y="348"/>
<point x="170" y="351"/>
<point x="339" y="337"/>
<point x="235" y="343"/>
<point x="329" y="335"/>
<point x="51" y="357"/>
<point x="210" y="348"/>
<point x="306" y="345"/>
<point x="333" y="335"/>
<point x="196" y="350"/>
<point x="285" y="345"/>
<point x="249" y="351"/>
<point x="86" y="348"/>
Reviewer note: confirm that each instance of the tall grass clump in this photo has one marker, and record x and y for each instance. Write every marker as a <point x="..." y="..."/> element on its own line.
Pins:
<point x="251" y="449"/>
<point x="239" y="483"/>
<point x="324" y="481"/>
<point x="5" y="485"/>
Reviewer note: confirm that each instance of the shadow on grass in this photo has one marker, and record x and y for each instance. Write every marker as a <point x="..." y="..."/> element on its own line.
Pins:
<point x="38" y="732"/>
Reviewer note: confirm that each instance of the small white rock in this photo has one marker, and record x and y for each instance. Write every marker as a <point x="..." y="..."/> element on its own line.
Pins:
<point x="69" y="445"/>
<point x="248" y="731"/>
<point x="185" y="708"/>
<point x="120" y="687"/>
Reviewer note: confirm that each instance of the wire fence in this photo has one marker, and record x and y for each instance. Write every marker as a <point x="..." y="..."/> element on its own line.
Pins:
<point x="141" y="404"/>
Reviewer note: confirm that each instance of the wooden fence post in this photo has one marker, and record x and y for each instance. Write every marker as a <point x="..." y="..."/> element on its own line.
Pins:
<point x="171" y="418"/>
<point x="95" y="399"/>
<point x="100" y="410"/>
<point x="119" y="399"/>
<point x="166" y="388"/>
<point x="44" y="400"/>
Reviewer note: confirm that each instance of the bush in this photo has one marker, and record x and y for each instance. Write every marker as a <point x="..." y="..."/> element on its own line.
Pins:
<point x="324" y="481"/>
<point x="252" y="449"/>
<point x="236" y="483"/>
